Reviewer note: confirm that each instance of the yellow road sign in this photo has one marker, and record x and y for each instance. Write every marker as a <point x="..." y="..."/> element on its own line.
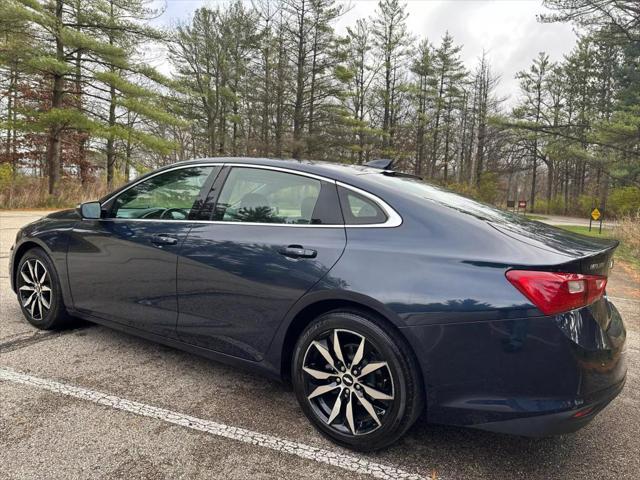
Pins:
<point x="595" y="214"/>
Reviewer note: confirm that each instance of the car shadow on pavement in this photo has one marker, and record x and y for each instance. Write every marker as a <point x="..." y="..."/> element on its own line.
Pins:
<point x="468" y="451"/>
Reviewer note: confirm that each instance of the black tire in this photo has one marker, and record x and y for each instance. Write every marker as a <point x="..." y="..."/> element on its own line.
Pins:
<point x="395" y="380"/>
<point x="36" y="312"/>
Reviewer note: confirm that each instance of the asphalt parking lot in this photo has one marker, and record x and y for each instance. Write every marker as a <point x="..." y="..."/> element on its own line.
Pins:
<point x="94" y="403"/>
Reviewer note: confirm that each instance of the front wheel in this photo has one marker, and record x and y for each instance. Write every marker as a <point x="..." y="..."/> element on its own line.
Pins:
<point x="356" y="380"/>
<point x="39" y="292"/>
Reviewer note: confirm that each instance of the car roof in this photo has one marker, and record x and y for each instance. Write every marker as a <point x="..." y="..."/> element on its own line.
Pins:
<point x="351" y="174"/>
<point x="337" y="171"/>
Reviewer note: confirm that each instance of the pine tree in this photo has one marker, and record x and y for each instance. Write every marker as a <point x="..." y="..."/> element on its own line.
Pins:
<point x="448" y="73"/>
<point x="391" y="39"/>
<point x="532" y="83"/>
<point x="59" y="30"/>
<point x="423" y="69"/>
<point x="359" y="73"/>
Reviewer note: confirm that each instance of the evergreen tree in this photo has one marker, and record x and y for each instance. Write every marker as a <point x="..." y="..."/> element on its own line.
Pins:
<point x="448" y="73"/>
<point x="423" y="69"/>
<point x="391" y="40"/>
<point x="75" y="45"/>
<point x="359" y="74"/>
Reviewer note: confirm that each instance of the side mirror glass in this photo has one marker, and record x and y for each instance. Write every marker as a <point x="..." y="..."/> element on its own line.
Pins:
<point x="91" y="210"/>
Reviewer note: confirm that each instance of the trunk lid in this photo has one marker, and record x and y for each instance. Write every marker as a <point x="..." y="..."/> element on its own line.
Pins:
<point x="590" y="251"/>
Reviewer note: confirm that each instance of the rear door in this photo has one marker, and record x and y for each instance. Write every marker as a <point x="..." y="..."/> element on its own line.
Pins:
<point x="123" y="267"/>
<point x="273" y="235"/>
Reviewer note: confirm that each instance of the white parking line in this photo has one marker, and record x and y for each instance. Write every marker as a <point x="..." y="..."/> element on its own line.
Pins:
<point x="336" y="459"/>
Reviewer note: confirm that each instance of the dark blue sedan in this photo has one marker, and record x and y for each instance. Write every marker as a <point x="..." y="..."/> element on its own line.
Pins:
<point x="380" y="297"/>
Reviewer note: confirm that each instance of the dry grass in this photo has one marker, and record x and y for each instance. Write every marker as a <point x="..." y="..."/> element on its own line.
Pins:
<point x="628" y="232"/>
<point x="30" y="192"/>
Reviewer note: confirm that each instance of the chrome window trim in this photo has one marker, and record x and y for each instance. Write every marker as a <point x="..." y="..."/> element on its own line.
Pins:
<point x="177" y="167"/>
<point x="393" y="218"/>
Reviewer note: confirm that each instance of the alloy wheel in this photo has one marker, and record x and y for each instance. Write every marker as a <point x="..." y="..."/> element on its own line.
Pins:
<point x="347" y="382"/>
<point x="35" y="289"/>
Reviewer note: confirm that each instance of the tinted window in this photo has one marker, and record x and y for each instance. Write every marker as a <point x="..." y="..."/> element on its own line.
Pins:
<point x="430" y="193"/>
<point x="168" y="196"/>
<point x="267" y="196"/>
<point x="359" y="210"/>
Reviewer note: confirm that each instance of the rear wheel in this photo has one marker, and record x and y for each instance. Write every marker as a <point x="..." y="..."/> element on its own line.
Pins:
<point x="39" y="291"/>
<point x="356" y="380"/>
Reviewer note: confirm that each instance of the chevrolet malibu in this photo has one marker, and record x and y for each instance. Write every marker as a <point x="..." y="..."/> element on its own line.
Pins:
<point x="378" y="296"/>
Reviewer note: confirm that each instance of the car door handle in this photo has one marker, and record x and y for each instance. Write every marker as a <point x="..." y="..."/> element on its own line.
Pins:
<point x="162" y="239"/>
<point x="298" y="251"/>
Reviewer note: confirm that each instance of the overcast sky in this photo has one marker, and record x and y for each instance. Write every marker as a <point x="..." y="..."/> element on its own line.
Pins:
<point x="506" y="29"/>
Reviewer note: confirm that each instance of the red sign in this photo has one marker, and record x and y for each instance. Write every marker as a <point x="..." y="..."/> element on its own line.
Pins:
<point x="522" y="204"/>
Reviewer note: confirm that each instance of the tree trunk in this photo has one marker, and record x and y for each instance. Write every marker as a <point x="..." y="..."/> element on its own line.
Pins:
<point x="111" y="153"/>
<point x="534" y="173"/>
<point x="447" y="140"/>
<point x="549" y="182"/>
<point x="266" y="103"/>
<point x="298" y="120"/>
<point x="420" y="130"/>
<point x="312" y="87"/>
<point x="436" y="128"/>
<point x="55" y="130"/>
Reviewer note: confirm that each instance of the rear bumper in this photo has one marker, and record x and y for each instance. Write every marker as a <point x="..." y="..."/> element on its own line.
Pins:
<point x="534" y="376"/>
<point x="556" y="423"/>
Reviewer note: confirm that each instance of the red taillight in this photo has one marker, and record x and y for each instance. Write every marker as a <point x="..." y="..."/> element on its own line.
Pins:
<point x="555" y="292"/>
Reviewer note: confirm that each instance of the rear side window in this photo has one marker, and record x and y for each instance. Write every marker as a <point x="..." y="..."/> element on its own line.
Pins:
<point x="360" y="210"/>
<point x="254" y="195"/>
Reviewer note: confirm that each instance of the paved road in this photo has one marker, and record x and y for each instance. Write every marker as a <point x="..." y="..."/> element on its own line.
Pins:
<point x="94" y="403"/>
<point x="571" y="221"/>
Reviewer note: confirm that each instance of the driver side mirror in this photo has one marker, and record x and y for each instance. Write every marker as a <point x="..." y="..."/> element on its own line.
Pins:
<point x="90" y="210"/>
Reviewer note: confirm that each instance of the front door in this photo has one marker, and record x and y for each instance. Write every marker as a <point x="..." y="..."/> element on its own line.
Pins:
<point x="123" y="267"/>
<point x="273" y="236"/>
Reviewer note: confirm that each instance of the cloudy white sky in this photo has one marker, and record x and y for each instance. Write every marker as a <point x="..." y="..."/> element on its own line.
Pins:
<point x="506" y="29"/>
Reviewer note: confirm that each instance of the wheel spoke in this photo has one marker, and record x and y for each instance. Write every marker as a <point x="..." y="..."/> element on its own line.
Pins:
<point x="45" y="302"/>
<point x="369" y="408"/>
<point x="32" y="307"/>
<point x="44" y="273"/>
<point x="336" y="346"/>
<point x="27" y="288"/>
<point x="32" y="272"/>
<point x="357" y="358"/>
<point x="321" y="390"/>
<point x="325" y="353"/>
<point x="26" y="278"/>
<point x="349" y="413"/>
<point x="371" y="367"/>
<point x="336" y="409"/>
<point x="28" y="301"/>
<point x="41" y="312"/>
<point x="44" y="288"/>
<point x="317" y="374"/>
<point x="376" y="394"/>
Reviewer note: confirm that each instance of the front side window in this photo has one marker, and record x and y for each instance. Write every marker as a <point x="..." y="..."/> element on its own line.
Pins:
<point x="267" y="196"/>
<point x="168" y="196"/>
<point x="359" y="210"/>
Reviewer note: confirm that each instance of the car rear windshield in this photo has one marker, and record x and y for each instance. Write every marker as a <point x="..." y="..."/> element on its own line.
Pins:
<point x="431" y="193"/>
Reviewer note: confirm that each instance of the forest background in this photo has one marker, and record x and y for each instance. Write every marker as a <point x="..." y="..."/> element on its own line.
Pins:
<point x="82" y="112"/>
